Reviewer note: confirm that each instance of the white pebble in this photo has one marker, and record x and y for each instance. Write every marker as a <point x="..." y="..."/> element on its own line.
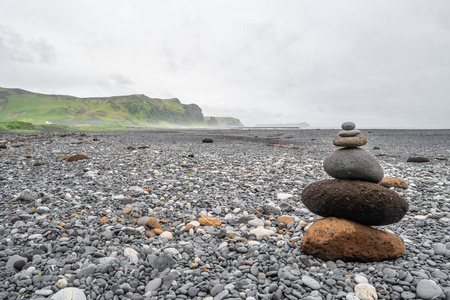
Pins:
<point x="134" y="259"/>
<point x="262" y="232"/>
<point x="62" y="283"/>
<point x="195" y="223"/>
<point x="280" y="243"/>
<point x="256" y="222"/>
<point x="365" y="291"/>
<point x="166" y="234"/>
<point x="172" y="251"/>
<point x="127" y="252"/>
<point x="284" y="196"/>
<point x="351" y="296"/>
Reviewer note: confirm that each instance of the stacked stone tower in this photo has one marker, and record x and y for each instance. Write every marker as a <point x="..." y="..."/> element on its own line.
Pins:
<point x="351" y="203"/>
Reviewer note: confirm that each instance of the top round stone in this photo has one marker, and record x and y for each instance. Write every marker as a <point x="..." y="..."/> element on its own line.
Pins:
<point x="348" y="126"/>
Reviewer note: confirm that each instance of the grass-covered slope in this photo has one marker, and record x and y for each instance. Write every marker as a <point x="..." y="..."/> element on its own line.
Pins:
<point x="27" y="127"/>
<point x="133" y="110"/>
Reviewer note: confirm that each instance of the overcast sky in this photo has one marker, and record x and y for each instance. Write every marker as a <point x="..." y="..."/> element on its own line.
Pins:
<point x="377" y="63"/>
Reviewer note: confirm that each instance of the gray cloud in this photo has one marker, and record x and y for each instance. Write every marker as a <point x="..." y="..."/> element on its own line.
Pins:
<point x="121" y="80"/>
<point x="117" y="84"/>
<point x="13" y="47"/>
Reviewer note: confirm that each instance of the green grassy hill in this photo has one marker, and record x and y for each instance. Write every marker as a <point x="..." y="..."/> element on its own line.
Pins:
<point x="133" y="110"/>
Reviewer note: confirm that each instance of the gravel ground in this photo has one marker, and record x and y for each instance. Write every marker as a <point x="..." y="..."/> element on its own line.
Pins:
<point x="82" y="227"/>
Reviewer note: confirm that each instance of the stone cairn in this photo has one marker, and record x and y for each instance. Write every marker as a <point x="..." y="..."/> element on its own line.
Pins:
<point x="350" y="204"/>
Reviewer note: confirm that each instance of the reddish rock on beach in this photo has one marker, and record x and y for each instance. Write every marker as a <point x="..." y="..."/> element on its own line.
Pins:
<point x="333" y="238"/>
<point x="77" y="157"/>
<point x="209" y="221"/>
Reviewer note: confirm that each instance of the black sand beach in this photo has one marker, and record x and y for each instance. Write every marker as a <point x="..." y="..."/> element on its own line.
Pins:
<point x="78" y="224"/>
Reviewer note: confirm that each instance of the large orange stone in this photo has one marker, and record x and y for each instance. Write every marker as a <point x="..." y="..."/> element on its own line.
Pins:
<point x="209" y="221"/>
<point x="153" y="223"/>
<point x="333" y="238"/>
<point x="286" y="219"/>
<point x="158" y="231"/>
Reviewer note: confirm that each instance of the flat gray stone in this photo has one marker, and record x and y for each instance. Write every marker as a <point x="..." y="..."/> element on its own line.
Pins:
<point x="216" y="289"/>
<point x="42" y="210"/>
<point x="361" y="279"/>
<point x="349" y="133"/>
<point x="256" y="222"/>
<point x="85" y="272"/>
<point x="408" y="295"/>
<point x="36" y="236"/>
<point x="439" y="249"/>
<point x="390" y="273"/>
<point x="428" y="289"/>
<point x="43" y="292"/>
<point x="222" y="295"/>
<point x="353" y="164"/>
<point x="310" y="282"/>
<point x="153" y="285"/>
<point x="69" y="294"/>
<point x="439" y="274"/>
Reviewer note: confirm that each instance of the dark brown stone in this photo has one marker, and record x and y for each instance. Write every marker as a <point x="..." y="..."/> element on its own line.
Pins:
<point x="418" y="159"/>
<point x="333" y="238"/>
<point x="207" y="140"/>
<point x="77" y="157"/>
<point x="127" y="201"/>
<point x="360" y="201"/>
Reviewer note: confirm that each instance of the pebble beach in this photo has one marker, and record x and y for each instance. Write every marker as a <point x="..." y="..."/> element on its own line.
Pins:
<point x="163" y="214"/>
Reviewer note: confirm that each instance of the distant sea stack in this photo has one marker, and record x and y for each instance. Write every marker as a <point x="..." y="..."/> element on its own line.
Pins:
<point x="132" y="110"/>
<point x="223" y="122"/>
